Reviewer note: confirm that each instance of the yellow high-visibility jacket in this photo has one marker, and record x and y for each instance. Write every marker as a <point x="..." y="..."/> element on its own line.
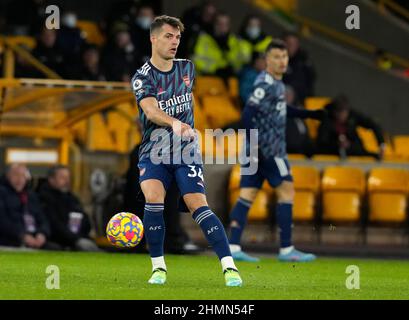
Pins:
<point x="209" y="57"/>
<point x="248" y="48"/>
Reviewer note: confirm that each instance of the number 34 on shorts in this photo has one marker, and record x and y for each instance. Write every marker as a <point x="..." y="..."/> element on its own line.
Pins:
<point x="195" y="171"/>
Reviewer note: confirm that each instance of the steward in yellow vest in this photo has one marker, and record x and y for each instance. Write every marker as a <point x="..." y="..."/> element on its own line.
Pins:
<point x="253" y="39"/>
<point x="219" y="53"/>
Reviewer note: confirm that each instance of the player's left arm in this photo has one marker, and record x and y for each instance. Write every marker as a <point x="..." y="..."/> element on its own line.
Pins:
<point x="293" y="112"/>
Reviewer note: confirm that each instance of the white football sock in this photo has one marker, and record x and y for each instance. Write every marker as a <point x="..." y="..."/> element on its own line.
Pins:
<point x="234" y="248"/>
<point x="158" y="262"/>
<point x="227" y="262"/>
<point x="286" y="250"/>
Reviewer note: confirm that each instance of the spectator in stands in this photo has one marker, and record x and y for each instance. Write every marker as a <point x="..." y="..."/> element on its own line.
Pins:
<point x="140" y="34"/>
<point x="70" y="40"/>
<point x="382" y="60"/>
<point x="90" y="68"/>
<point x="248" y="75"/>
<point x="196" y="19"/>
<point x="69" y="224"/>
<point x="300" y="72"/>
<point x="25" y="17"/>
<point x="48" y="53"/>
<point x="218" y="53"/>
<point x="297" y="136"/>
<point x="119" y="55"/>
<point x="253" y="38"/>
<point x="22" y="222"/>
<point x="338" y="133"/>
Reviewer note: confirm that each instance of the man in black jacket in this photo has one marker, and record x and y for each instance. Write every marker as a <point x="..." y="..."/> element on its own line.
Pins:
<point x="22" y="222"/>
<point x="300" y="72"/>
<point x="70" y="225"/>
<point x="338" y="133"/>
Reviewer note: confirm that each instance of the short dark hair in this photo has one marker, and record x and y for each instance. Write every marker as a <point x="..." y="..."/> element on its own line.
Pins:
<point x="53" y="170"/>
<point x="276" y="44"/>
<point x="159" y="21"/>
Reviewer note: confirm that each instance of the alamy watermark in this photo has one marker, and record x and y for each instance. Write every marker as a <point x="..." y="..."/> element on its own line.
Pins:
<point x="353" y="280"/>
<point x="52" y="281"/>
<point x="53" y="18"/>
<point x="354" y="19"/>
<point x="220" y="147"/>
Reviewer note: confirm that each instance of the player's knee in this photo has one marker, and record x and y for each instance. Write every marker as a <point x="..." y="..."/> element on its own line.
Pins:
<point x="248" y="194"/>
<point x="285" y="193"/>
<point x="195" y="201"/>
<point x="154" y="196"/>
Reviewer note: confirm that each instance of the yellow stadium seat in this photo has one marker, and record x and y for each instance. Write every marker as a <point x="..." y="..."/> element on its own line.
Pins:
<point x="259" y="209"/>
<point x="91" y="32"/>
<point x="341" y="206"/>
<point x="368" y="139"/>
<point x="296" y="156"/>
<point x="343" y="188"/>
<point x="388" y="191"/>
<point x="306" y="185"/>
<point x="304" y="204"/>
<point x="387" y="207"/>
<point x="401" y="146"/>
<point x="201" y="122"/>
<point x="119" y="128"/>
<point x="233" y="83"/>
<point x="79" y="131"/>
<point x="99" y="137"/>
<point x="325" y="157"/>
<point x="314" y="103"/>
<point x="207" y="85"/>
<point x="220" y="111"/>
<point x="306" y="178"/>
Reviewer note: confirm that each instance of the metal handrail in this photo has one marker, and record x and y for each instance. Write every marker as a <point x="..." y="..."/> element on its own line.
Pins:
<point x="12" y="48"/>
<point x="394" y="7"/>
<point x="343" y="38"/>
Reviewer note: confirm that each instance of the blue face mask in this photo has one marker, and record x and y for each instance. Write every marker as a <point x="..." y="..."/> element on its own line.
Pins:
<point x="253" y="32"/>
<point x="144" y="22"/>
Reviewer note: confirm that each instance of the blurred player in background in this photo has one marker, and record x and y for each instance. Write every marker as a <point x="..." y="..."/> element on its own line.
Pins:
<point x="163" y="90"/>
<point x="266" y="110"/>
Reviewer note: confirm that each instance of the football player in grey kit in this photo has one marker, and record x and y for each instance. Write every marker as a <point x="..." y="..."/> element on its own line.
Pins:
<point x="266" y="111"/>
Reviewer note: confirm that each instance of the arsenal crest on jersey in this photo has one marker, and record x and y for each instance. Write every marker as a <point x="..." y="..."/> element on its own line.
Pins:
<point x="186" y="80"/>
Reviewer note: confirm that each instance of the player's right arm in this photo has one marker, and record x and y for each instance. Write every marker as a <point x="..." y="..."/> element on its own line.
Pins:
<point x="145" y="94"/>
<point x="152" y="111"/>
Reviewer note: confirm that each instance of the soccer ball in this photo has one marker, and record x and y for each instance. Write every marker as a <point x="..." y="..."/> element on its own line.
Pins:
<point x="124" y="230"/>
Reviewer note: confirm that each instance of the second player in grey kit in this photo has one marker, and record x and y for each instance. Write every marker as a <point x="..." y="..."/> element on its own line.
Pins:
<point x="266" y="111"/>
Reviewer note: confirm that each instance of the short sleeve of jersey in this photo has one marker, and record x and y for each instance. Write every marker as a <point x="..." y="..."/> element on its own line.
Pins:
<point x="260" y="96"/>
<point x="142" y="87"/>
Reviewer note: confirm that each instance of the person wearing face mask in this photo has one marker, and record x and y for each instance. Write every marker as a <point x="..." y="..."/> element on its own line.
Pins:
<point x="253" y="38"/>
<point x="196" y="19"/>
<point x="69" y="224"/>
<point x="70" y="40"/>
<point x="119" y="55"/>
<point x="218" y="53"/>
<point x="22" y="221"/>
<point x="140" y="33"/>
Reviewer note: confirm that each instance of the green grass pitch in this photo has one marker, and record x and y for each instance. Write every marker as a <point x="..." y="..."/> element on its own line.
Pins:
<point x="124" y="276"/>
